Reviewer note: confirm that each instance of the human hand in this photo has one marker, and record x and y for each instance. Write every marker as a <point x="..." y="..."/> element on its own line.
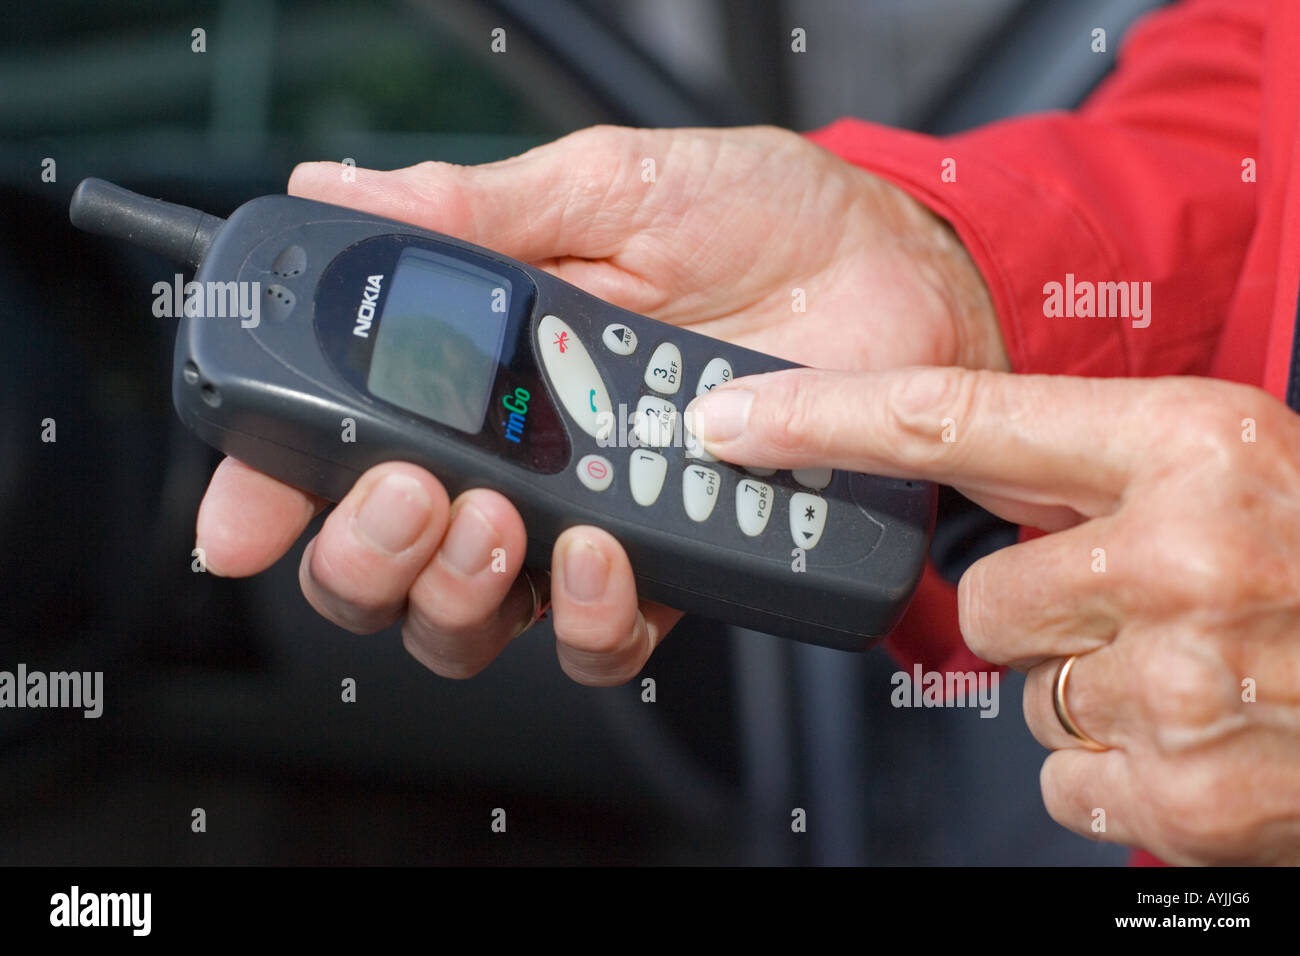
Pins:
<point x="734" y="221"/>
<point x="1173" y="571"/>
<point x="732" y="224"/>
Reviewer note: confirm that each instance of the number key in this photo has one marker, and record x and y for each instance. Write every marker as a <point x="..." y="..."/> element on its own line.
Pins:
<point x="664" y="373"/>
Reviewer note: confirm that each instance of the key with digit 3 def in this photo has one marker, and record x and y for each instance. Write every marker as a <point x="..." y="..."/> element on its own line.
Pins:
<point x="491" y="373"/>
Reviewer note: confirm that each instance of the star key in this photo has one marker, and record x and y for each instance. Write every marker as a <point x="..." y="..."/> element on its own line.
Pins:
<point x="807" y="519"/>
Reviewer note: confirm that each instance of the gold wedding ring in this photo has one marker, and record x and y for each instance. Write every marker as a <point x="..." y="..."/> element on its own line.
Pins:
<point x="1063" y="712"/>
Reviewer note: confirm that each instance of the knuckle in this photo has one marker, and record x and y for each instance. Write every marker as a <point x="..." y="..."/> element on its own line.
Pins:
<point x="603" y="146"/>
<point x="1196" y="561"/>
<point x="787" y="416"/>
<point x="430" y="654"/>
<point x="355" y="622"/>
<point x="344" y="585"/>
<point x="930" y="411"/>
<point x="428" y="168"/>
<point x="776" y="140"/>
<point x="595" y="639"/>
<point x="1185" y="690"/>
<point x="614" y="678"/>
<point x="604" y="640"/>
<point x="1206" y="424"/>
<point x="597" y="669"/>
<point x="435" y="612"/>
<point x="433" y="188"/>
<point x="600" y="169"/>
<point x="1217" y="570"/>
<point x="601" y="133"/>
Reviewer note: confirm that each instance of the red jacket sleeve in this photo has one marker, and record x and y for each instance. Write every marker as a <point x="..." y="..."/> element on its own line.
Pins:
<point x="1142" y="184"/>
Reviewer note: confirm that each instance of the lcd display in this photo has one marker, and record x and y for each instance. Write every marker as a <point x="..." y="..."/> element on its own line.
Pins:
<point x="439" y="338"/>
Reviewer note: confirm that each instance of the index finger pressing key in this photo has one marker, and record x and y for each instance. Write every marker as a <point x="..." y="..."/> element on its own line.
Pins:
<point x="1049" y="440"/>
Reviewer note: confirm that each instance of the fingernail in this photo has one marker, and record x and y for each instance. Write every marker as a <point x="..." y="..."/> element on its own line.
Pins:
<point x="720" y="415"/>
<point x="468" y="544"/>
<point x="394" y="514"/>
<point x="585" y="570"/>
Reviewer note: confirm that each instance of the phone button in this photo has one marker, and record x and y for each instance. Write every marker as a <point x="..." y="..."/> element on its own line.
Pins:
<point x="574" y="375"/>
<point x="290" y="263"/>
<point x="619" y="339"/>
<point x="807" y="519"/>
<point x="664" y="373"/>
<point x="700" y="488"/>
<point x="753" y="506"/>
<point x="646" y="476"/>
<point x="715" y="373"/>
<point x="655" y="421"/>
<point x="595" y="472"/>
<point x="816" y="478"/>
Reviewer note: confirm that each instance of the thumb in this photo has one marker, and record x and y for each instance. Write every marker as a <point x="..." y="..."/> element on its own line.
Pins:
<point x="1045" y="440"/>
<point x="576" y="196"/>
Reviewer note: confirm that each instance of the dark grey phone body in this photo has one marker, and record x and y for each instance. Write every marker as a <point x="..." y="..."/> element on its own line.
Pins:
<point x="291" y="397"/>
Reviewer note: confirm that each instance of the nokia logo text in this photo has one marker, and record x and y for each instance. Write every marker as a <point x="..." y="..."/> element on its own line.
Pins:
<point x="366" y="312"/>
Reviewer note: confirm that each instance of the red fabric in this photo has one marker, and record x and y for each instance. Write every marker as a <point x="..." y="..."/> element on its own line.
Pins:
<point x="1143" y="858"/>
<point x="1143" y="183"/>
<point x="928" y="633"/>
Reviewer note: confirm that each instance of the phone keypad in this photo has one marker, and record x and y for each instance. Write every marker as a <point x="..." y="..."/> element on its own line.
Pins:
<point x="657" y="429"/>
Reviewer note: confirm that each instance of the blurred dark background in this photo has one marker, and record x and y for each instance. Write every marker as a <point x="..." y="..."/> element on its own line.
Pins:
<point x="225" y="695"/>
